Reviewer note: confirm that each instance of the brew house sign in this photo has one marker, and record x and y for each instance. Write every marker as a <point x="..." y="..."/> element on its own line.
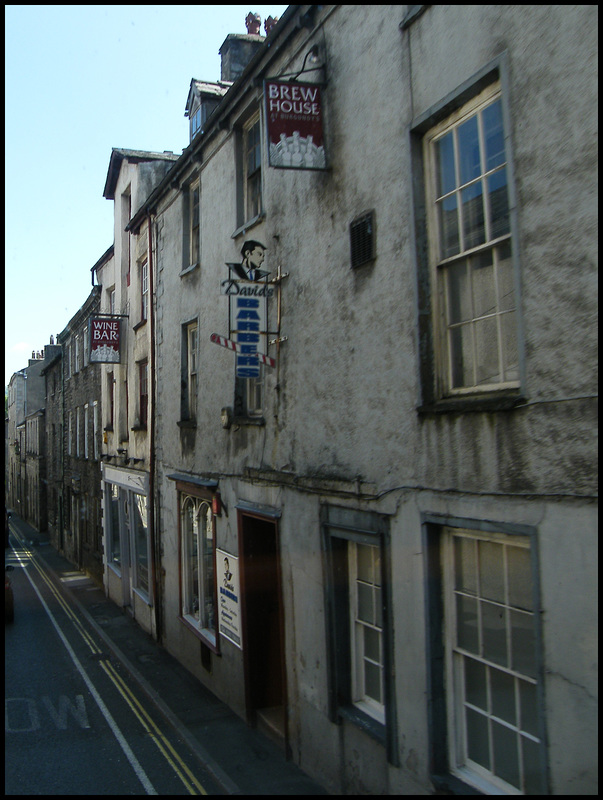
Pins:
<point x="294" y="125"/>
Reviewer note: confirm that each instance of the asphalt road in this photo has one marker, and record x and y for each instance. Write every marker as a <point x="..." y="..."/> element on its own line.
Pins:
<point x="75" y="721"/>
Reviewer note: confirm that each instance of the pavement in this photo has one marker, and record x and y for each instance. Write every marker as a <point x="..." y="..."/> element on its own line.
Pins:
<point x="243" y="760"/>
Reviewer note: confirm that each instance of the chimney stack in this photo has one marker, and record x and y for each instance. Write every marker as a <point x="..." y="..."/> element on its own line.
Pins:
<point x="239" y="48"/>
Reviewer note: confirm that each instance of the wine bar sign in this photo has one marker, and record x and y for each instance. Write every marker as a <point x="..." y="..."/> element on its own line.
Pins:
<point x="104" y="340"/>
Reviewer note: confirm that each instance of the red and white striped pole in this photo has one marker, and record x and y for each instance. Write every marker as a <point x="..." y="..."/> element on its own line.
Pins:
<point x="230" y="345"/>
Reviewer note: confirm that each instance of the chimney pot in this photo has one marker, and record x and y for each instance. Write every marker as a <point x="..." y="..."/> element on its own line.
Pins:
<point x="253" y="23"/>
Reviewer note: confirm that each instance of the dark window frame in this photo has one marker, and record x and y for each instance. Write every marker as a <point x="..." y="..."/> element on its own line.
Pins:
<point x="339" y="527"/>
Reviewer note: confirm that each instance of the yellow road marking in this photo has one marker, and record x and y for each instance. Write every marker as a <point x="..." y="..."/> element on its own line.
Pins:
<point x="139" y="711"/>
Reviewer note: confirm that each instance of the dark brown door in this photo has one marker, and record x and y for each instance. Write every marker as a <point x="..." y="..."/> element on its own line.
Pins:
<point x="262" y="620"/>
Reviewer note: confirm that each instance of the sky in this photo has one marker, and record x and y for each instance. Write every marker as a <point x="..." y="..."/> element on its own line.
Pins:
<point x="80" y="80"/>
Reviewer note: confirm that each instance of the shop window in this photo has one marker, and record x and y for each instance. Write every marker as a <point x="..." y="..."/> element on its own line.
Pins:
<point x="197" y="554"/>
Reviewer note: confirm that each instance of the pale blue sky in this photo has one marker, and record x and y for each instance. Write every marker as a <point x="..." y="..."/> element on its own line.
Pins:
<point x="80" y="80"/>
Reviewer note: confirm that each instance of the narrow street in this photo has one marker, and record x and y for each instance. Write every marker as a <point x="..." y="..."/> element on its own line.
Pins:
<point x="75" y="722"/>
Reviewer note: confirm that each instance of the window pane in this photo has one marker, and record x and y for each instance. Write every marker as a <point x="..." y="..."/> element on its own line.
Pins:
<point x="461" y="356"/>
<point x="207" y="564"/>
<point x="506" y="289"/>
<point x="494" y="634"/>
<point x="459" y="293"/>
<point x="508" y="330"/>
<point x="466" y="624"/>
<point x="502" y="688"/>
<point x="365" y="563"/>
<point x="477" y="738"/>
<point x="491" y="565"/>
<point x="449" y="227"/>
<point x="372" y="681"/>
<point x="529" y="708"/>
<point x="506" y="758"/>
<point x="372" y="644"/>
<point x="532" y="770"/>
<point x="482" y="280"/>
<point x="468" y="144"/>
<point x="465" y="566"/>
<point x="365" y="603"/>
<point x="474" y="231"/>
<point x="523" y="643"/>
<point x="493" y="135"/>
<point x="486" y="339"/>
<point x="476" y="691"/>
<point x="520" y="577"/>
<point x="499" y="204"/>
<point x="446" y="180"/>
<point x="142" y="555"/>
<point x="115" y="539"/>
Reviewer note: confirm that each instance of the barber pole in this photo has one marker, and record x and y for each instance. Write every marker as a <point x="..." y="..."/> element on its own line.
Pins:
<point x="230" y="345"/>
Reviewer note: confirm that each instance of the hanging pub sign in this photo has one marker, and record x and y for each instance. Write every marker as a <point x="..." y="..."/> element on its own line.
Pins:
<point x="104" y="340"/>
<point x="248" y="291"/>
<point x="294" y="125"/>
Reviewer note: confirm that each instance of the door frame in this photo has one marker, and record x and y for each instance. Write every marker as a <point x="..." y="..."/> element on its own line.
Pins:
<point x="244" y="535"/>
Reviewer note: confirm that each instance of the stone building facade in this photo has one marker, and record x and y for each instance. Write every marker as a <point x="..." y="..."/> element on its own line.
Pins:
<point x="125" y="276"/>
<point x="377" y="540"/>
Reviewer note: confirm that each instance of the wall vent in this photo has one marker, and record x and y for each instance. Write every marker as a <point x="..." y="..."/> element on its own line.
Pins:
<point x="362" y="239"/>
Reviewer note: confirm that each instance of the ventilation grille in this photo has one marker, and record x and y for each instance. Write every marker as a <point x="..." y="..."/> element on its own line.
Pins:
<point x="362" y="239"/>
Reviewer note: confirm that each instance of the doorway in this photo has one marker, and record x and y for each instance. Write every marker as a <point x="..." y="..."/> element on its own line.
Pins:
<point x="262" y="616"/>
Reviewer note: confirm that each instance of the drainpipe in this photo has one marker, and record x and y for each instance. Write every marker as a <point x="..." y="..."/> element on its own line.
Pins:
<point x="152" y="506"/>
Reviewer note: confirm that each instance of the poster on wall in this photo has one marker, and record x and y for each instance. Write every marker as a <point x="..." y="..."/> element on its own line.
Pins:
<point x="104" y="340"/>
<point x="294" y="125"/>
<point x="229" y="611"/>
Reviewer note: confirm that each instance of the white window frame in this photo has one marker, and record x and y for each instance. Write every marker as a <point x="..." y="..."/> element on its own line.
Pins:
<point x="361" y="657"/>
<point x="253" y="167"/>
<point x="194" y="222"/>
<point x="458" y="658"/>
<point x="192" y="354"/>
<point x="86" y="425"/>
<point x="95" y="413"/>
<point x="144" y="290"/>
<point x="503" y="316"/>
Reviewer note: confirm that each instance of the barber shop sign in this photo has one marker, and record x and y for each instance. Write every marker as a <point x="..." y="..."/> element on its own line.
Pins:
<point x="248" y="290"/>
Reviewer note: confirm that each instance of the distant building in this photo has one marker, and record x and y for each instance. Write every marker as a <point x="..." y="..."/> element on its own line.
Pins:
<point x="25" y="398"/>
<point x="73" y="401"/>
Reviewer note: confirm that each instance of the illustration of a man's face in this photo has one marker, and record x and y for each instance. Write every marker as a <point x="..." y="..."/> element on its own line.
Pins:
<point x="255" y="257"/>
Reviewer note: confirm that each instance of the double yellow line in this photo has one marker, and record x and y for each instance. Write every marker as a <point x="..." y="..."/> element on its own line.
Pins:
<point x="164" y="746"/>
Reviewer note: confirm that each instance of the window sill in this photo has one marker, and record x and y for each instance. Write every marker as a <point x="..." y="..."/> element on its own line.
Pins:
<point x="477" y="403"/>
<point x="253" y="421"/>
<point x="139" y="325"/>
<point x="449" y="784"/>
<point x="138" y="428"/>
<point x="188" y="270"/>
<point x="208" y="638"/>
<point x="187" y="424"/>
<point x="375" y="729"/>
<point x="249" y="225"/>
